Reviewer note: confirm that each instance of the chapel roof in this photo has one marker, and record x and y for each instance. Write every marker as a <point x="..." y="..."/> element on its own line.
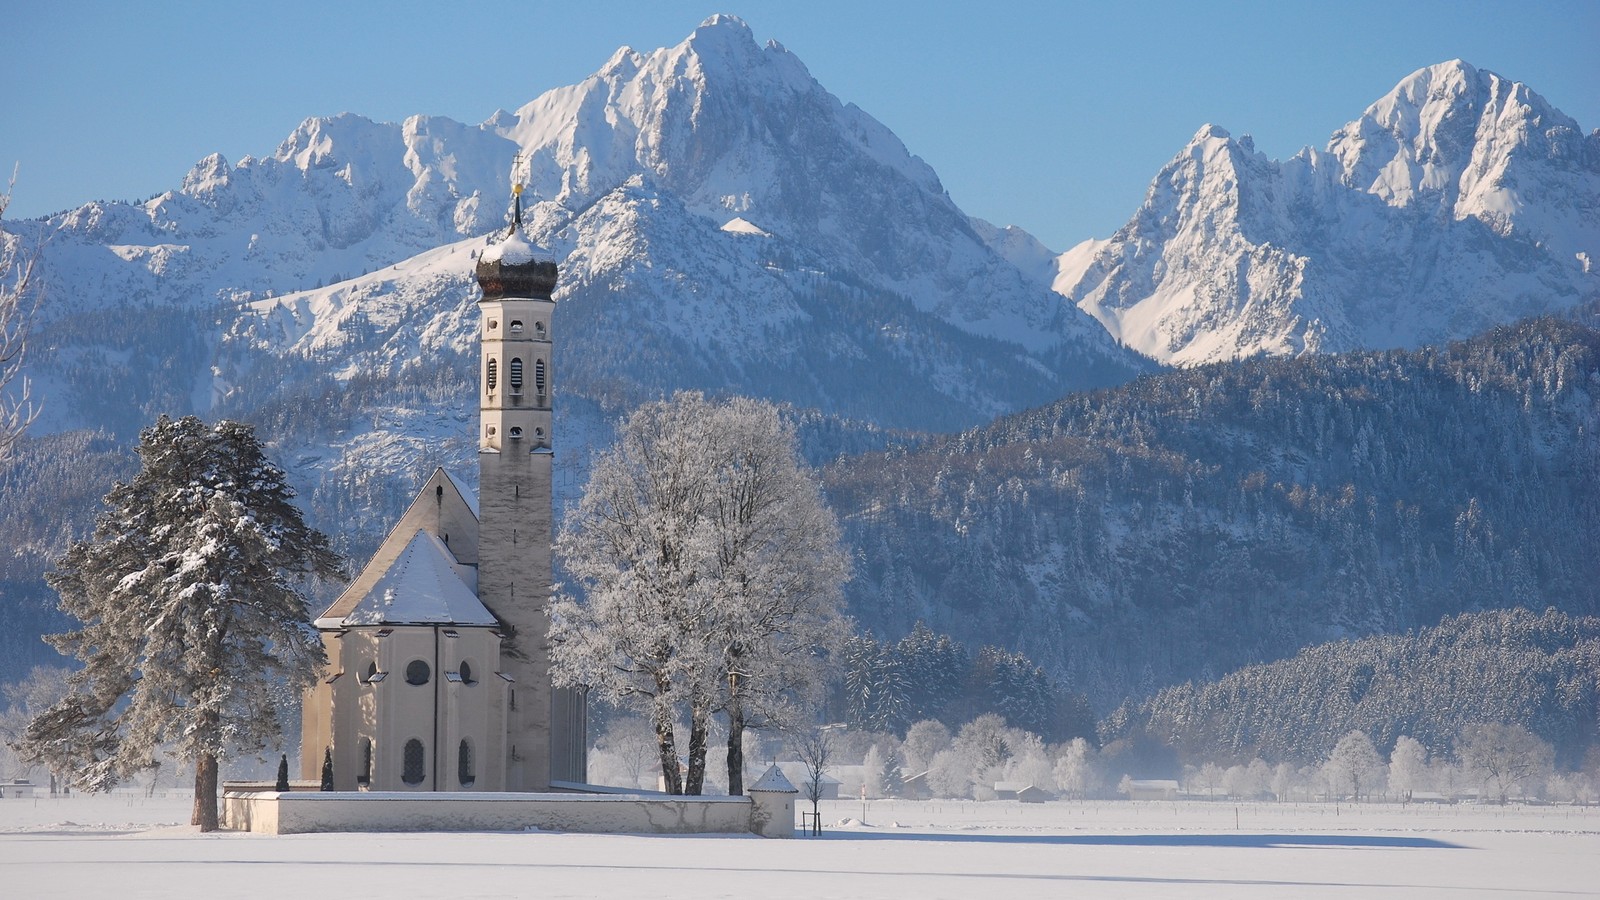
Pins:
<point x="423" y="586"/>
<point x="444" y="508"/>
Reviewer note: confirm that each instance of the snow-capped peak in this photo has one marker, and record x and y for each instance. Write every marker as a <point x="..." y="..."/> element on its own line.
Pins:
<point x="1458" y="200"/>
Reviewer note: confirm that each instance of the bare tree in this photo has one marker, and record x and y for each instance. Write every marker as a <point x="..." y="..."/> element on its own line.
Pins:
<point x="814" y="748"/>
<point x="16" y="271"/>
<point x="631" y="742"/>
<point x="1503" y="756"/>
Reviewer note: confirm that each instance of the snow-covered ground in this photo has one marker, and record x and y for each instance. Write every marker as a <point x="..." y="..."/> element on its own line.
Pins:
<point x="129" y="847"/>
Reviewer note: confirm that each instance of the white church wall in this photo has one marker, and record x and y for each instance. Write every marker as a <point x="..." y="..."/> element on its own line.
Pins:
<point x="300" y="813"/>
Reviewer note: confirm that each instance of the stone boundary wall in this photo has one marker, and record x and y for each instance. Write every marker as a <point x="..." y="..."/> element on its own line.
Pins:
<point x="270" y="812"/>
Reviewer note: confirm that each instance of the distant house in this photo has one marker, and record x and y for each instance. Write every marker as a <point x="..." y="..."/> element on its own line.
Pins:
<point x="20" y="789"/>
<point x="1152" y="789"/>
<point x="1020" y="790"/>
<point x="800" y="777"/>
<point x="915" y="787"/>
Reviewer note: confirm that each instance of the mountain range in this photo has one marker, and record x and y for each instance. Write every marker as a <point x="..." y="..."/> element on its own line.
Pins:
<point x="1457" y="201"/>
<point x="724" y="223"/>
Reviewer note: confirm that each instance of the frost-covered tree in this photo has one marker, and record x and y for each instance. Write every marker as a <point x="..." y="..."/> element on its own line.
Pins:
<point x="195" y="632"/>
<point x="630" y="743"/>
<point x="1354" y="766"/>
<point x="710" y="571"/>
<point x="950" y="774"/>
<point x="16" y="270"/>
<point x="1408" y="767"/>
<point x="1284" y="779"/>
<point x="1030" y="764"/>
<point x="26" y="698"/>
<point x="924" y="740"/>
<point x="1247" y="781"/>
<point x="1503" y="757"/>
<point x="1072" y="771"/>
<point x="872" y="772"/>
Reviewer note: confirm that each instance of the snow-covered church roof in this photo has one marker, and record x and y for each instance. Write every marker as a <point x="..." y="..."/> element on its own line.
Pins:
<point x="423" y="586"/>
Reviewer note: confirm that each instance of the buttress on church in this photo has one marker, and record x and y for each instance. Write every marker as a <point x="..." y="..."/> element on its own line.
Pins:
<point x="438" y="652"/>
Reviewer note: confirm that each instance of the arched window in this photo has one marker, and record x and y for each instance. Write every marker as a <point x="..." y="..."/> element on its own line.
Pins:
<point x="516" y="375"/>
<point x="466" y="673"/>
<point x="372" y="669"/>
<point x="417" y="672"/>
<point x="494" y="374"/>
<point x="414" y="768"/>
<point x="538" y="376"/>
<point x="464" y="765"/>
<point x="538" y="330"/>
<point x="364" y="776"/>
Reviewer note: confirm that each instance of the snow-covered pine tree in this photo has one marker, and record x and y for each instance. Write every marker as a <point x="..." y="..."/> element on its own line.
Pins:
<point x="191" y="597"/>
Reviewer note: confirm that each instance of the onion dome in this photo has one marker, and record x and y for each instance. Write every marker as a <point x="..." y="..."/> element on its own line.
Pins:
<point x="510" y="267"/>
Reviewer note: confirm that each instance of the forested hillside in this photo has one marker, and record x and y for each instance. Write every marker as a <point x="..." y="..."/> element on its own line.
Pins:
<point x="1196" y="521"/>
<point x="1502" y="666"/>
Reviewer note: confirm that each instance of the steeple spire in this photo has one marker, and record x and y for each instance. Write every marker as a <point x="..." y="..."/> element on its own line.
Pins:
<point x="519" y="175"/>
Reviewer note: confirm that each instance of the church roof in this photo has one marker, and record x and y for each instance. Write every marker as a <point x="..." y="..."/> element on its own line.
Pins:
<point x="443" y="508"/>
<point x="470" y="496"/>
<point x="423" y="585"/>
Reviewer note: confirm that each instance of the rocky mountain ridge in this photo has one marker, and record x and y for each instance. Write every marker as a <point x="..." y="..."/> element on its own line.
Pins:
<point x="1459" y="200"/>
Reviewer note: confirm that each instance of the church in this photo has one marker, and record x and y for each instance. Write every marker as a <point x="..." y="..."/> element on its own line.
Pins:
<point x="438" y="672"/>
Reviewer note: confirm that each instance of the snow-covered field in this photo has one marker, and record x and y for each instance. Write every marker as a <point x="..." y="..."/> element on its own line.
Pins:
<point x="128" y="847"/>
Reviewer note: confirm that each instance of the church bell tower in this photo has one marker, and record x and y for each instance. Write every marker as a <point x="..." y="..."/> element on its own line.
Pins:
<point x="545" y="729"/>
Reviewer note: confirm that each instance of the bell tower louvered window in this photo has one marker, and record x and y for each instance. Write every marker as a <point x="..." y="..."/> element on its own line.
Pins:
<point x="516" y="375"/>
<point x="413" y="765"/>
<point x="538" y="377"/>
<point x="494" y="374"/>
<point x="464" y="771"/>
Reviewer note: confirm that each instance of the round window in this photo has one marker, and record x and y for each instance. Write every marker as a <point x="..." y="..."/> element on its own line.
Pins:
<point x="417" y="672"/>
<point x="466" y="672"/>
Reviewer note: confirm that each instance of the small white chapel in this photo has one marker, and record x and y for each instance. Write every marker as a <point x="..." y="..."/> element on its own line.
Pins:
<point x="438" y="672"/>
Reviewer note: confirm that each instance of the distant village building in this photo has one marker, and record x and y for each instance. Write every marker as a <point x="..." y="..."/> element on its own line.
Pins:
<point x="1021" y="790"/>
<point x="799" y="775"/>
<point x="438" y="657"/>
<point x="1152" y="789"/>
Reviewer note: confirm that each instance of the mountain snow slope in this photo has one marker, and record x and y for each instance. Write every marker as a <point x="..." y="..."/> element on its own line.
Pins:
<point x="1457" y="201"/>
<point x="722" y="221"/>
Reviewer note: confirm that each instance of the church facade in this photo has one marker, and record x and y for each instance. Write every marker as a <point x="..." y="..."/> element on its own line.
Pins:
<point x="438" y="655"/>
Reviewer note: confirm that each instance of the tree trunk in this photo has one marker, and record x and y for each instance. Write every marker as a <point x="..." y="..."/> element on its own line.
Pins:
<point x="667" y="748"/>
<point x="735" y="745"/>
<point x="695" y="781"/>
<point x="205" y="792"/>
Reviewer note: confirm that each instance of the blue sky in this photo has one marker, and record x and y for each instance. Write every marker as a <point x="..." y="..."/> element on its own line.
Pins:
<point x="1049" y="115"/>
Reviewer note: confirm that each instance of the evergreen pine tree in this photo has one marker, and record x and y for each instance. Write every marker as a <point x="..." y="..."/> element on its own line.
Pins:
<point x="195" y="628"/>
<point x="327" y="770"/>
<point x="283" y="774"/>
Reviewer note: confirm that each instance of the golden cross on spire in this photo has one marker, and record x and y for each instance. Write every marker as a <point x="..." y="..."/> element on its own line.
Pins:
<point x="519" y="175"/>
